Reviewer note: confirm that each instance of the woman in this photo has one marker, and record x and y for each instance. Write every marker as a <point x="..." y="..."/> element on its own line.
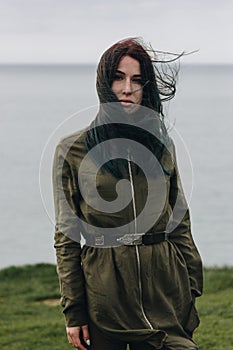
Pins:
<point x="136" y="278"/>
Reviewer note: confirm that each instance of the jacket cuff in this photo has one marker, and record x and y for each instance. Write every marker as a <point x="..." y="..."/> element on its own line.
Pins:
<point x="75" y="317"/>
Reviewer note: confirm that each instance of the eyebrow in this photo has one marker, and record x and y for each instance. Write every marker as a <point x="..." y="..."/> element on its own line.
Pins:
<point x="120" y="72"/>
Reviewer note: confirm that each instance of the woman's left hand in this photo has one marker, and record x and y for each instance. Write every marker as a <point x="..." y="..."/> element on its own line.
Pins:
<point x="76" y="335"/>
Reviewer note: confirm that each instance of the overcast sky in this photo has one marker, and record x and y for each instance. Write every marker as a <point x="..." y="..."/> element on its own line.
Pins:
<point x="78" y="31"/>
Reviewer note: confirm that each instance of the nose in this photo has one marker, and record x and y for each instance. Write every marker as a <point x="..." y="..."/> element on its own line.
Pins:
<point x="127" y="88"/>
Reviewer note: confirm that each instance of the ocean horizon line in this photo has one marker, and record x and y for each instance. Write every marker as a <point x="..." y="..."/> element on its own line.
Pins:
<point x="89" y="64"/>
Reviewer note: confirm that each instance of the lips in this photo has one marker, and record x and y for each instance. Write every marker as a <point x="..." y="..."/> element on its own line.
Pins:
<point x="126" y="102"/>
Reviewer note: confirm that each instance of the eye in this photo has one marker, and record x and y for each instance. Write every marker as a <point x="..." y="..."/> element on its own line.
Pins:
<point x="137" y="81"/>
<point x="117" y="77"/>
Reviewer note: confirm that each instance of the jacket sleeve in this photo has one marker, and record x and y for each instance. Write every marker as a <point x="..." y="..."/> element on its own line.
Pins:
<point x="181" y="232"/>
<point x="67" y="240"/>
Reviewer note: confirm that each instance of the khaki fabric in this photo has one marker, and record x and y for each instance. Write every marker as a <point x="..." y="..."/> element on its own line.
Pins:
<point x="143" y="293"/>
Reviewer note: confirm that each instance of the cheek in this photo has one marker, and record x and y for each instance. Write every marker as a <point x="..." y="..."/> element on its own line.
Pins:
<point x="115" y="87"/>
<point x="139" y="96"/>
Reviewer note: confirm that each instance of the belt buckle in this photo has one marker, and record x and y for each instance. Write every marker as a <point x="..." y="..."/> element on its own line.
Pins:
<point x="131" y="239"/>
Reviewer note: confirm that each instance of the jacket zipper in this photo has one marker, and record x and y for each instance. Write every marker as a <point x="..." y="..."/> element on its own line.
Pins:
<point x="136" y="247"/>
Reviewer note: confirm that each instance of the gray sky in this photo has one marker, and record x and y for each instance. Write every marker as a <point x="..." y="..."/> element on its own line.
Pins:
<point x="78" y="31"/>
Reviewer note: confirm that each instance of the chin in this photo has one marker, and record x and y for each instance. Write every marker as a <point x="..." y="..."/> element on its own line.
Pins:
<point x="132" y="108"/>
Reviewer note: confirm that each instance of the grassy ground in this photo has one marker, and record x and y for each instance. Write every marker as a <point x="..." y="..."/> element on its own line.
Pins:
<point x="216" y="311"/>
<point x="30" y="321"/>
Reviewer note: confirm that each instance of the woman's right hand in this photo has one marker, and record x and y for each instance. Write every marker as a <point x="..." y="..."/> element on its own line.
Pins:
<point x="77" y="336"/>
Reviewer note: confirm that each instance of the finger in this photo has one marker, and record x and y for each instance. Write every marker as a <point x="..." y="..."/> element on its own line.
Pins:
<point x="76" y="341"/>
<point x="70" y="335"/>
<point x="86" y="336"/>
<point x="72" y="332"/>
<point x="74" y="335"/>
<point x="69" y="339"/>
<point x="80" y="346"/>
<point x="77" y="344"/>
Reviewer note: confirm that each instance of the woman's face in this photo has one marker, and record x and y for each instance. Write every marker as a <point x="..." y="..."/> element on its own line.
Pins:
<point x="127" y="84"/>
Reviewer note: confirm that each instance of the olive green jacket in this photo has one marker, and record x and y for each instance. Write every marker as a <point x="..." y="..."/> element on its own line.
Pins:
<point x="131" y="292"/>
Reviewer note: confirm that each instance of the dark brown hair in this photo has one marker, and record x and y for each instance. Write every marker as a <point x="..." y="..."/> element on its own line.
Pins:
<point x="160" y="84"/>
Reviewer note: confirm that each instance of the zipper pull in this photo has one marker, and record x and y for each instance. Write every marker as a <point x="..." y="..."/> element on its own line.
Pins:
<point x="128" y="154"/>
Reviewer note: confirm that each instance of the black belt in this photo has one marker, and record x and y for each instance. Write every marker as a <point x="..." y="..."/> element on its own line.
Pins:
<point x="129" y="239"/>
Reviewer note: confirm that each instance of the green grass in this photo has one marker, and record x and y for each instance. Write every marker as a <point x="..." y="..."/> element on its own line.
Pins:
<point x="216" y="311"/>
<point x="26" y="323"/>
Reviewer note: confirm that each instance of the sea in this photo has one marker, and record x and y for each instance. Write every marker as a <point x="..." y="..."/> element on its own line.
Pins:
<point x="39" y="104"/>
